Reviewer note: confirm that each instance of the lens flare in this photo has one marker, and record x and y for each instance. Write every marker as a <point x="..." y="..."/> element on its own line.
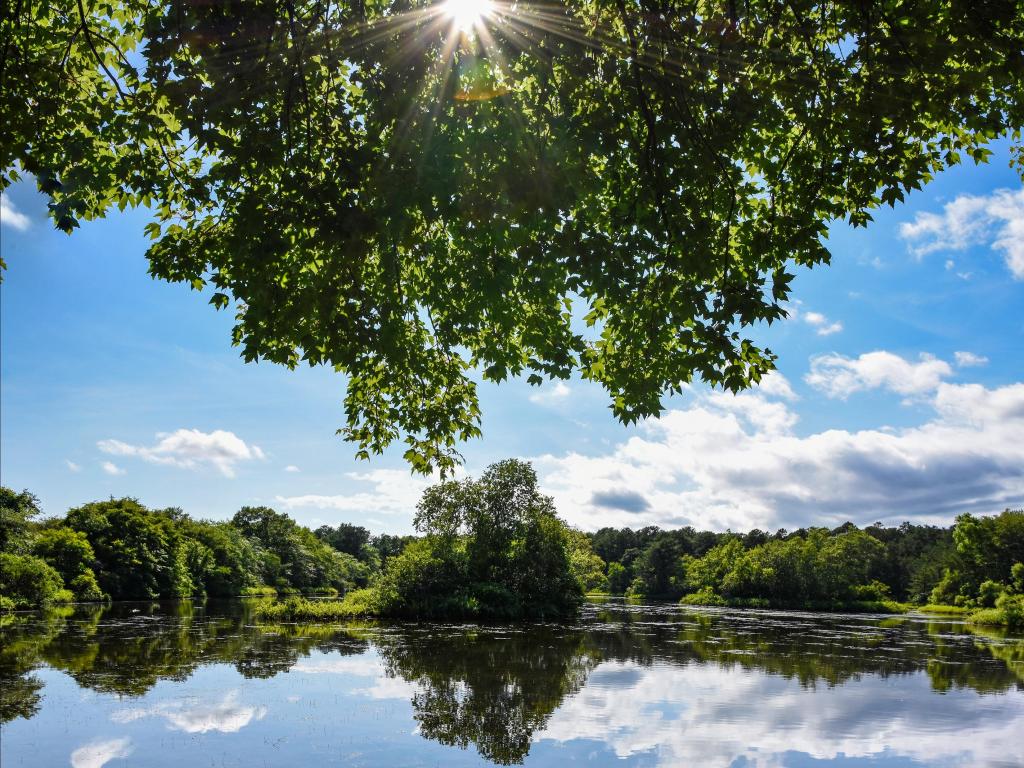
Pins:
<point x="466" y="15"/>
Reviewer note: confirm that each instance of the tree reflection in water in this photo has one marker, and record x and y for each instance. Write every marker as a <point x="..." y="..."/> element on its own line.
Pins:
<point x="492" y="688"/>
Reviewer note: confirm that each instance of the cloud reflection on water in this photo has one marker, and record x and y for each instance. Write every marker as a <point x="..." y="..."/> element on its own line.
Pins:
<point x="194" y="716"/>
<point x="711" y="716"/>
<point x="96" y="754"/>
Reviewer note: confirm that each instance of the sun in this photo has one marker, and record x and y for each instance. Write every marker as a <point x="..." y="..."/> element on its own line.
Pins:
<point x="467" y="14"/>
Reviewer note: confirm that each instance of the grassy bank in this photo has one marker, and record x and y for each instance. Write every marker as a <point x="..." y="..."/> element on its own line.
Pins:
<point x="357" y="603"/>
<point x="1008" y="612"/>
<point x="945" y="610"/>
<point x="708" y="598"/>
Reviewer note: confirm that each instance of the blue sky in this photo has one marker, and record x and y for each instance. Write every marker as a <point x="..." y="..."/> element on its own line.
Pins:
<point x="900" y="394"/>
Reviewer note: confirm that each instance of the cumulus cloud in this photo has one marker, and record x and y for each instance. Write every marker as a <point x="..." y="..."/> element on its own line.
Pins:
<point x="72" y="466"/>
<point x="190" y="449"/>
<point x="98" y="753"/>
<point x="196" y="716"/>
<point x="839" y="377"/>
<point x="996" y="220"/>
<point x="969" y="359"/>
<point x="552" y="394"/>
<point x="736" y="462"/>
<point x="112" y="469"/>
<point x="822" y="325"/>
<point x="12" y="217"/>
<point x="774" y="384"/>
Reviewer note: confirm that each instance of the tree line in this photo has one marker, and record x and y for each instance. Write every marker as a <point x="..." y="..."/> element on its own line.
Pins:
<point x="494" y="547"/>
<point x="121" y="550"/>
<point x="978" y="563"/>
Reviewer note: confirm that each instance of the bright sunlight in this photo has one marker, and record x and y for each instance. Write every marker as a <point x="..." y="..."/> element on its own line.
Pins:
<point x="467" y="14"/>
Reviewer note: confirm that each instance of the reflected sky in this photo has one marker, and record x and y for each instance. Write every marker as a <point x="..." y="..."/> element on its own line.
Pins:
<point x="630" y="685"/>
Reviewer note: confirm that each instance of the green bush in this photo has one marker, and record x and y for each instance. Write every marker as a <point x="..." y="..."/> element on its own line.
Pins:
<point x="67" y="550"/>
<point x="989" y="592"/>
<point x="703" y="596"/>
<point x="1017" y="577"/>
<point x="27" y="581"/>
<point x="1008" y="612"/>
<point x="86" y="588"/>
<point x="298" y="609"/>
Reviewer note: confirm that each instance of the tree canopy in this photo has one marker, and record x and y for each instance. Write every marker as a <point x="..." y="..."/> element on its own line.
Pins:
<point x="618" y="188"/>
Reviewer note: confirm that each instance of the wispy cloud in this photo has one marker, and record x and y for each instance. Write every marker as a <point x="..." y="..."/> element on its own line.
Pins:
<point x="292" y="468"/>
<point x="969" y="359"/>
<point x="822" y="325"/>
<point x="112" y="469"/>
<point x="12" y="217"/>
<point x="391" y="492"/>
<point x="190" y="449"/>
<point x="996" y="220"/>
<point x="72" y="466"/>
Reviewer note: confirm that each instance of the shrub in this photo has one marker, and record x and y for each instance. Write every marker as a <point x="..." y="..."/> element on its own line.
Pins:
<point x="876" y="591"/>
<point x="86" y="588"/>
<point x="1008" y="612"/>
<point x="703" y="596"/>
<point x="67" y="550"/>
<point x="989" y="592"/>
<point x="298" y="609"/>
<point x="1017" y="577"/>
<point x="27" y="581"/>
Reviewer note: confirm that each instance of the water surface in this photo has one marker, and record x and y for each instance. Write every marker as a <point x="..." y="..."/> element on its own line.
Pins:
<point x="182" y="685"/>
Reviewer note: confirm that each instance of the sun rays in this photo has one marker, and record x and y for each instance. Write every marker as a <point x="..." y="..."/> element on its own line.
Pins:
<point x="467" y="15"/>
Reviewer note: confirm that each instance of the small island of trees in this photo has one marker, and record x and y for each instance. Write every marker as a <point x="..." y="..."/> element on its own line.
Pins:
<point x="494" y="548"/>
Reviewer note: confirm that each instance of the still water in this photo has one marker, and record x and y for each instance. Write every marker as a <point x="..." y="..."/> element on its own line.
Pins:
<point x="654" y="685"/>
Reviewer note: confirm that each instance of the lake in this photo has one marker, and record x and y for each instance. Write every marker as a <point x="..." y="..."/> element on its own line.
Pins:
<point x="641" y="685"/>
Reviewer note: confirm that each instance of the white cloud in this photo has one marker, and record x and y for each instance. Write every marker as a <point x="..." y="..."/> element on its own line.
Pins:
<point x="195" y="716"/>
<point x="821" y="324"/>
<point x="12" y="217"/>
<point x="72" y="466"/>
<point x="112" y="469"/>
<point x="774" y="384"/>
<point x="736" y="462"/>
<point x="292" y="468"/>
<point x="190" y="449"/>
<point x="996" y="219"/>
<point x="839" y="377"/>
<point x="969" y="359"/>
<point x="551" y="395"/>
<point x="98" y="753"/>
